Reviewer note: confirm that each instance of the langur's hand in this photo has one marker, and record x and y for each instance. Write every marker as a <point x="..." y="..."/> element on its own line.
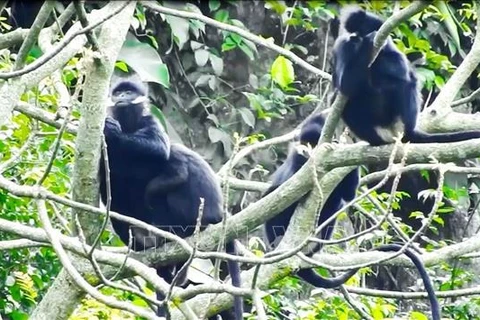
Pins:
<point x="112" y="127"/>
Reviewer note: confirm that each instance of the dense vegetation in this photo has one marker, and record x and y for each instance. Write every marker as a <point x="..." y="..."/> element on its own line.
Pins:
<point x="233" y="96"/>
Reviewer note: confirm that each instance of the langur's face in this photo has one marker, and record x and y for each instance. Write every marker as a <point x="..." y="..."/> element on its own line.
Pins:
<point x="127" y="97"/>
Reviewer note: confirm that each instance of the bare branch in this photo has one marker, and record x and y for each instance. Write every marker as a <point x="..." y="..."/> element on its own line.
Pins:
<point x="241" y="32"/>
<point x="392" y="22"/>
<point x="82" y="16"/>
<point x="62" y="44"/>
<point x="32" y="36"/>
<point x="257" y="146"/>
<point x="12" y="38"/>
<point x="414" y="295"/>
<point x="21" y="244"/>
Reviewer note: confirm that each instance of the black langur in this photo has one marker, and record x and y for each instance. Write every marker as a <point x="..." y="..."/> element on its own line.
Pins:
<point x="176" y="191"/>
<point x="383" y="99"/>
<point x="344" y="192"/>
<point x="137" y="146"/>
<point x="309" y="134"/>
<point x="155" y="181"/>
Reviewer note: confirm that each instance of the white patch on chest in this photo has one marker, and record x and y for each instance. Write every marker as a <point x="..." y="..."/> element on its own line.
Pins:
<point x="389" y="133"/>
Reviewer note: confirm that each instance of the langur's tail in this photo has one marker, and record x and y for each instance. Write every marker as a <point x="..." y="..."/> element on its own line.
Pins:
<point x="427" y="283"/>
<point x="234" y="271"/>
<point x="418" y="136"/>
<point x="310" y="276"/>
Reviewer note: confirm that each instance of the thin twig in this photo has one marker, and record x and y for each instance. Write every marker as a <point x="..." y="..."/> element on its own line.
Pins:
<point x="75" y="275"/>
<point x="474" y="95"/>
<point x="392" y="22"/>
<point x="82" y="16"/>
<point x="47" y="56"/>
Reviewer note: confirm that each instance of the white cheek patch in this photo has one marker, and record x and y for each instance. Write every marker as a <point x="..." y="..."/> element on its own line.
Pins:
<point x="139" y="100"/>
<point x="110" y="102"/>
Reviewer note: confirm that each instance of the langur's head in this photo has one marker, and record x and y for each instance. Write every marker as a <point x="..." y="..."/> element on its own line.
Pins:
<point x="128" y="93"/>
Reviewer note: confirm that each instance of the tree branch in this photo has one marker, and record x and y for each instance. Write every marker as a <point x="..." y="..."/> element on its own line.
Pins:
<point x="439" y="117"/>
<point x="11" y="91"/>
<point x="32" y="36"/>
<point x="87" y="156"/>
<point x="246" y="34"/>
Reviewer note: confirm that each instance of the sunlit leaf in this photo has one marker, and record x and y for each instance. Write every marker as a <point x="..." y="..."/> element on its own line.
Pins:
<point x="282" y="71"/>
<point x="415" y="315"/>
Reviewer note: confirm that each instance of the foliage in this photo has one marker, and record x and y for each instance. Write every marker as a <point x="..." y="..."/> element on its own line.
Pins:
<point x="213" y="90"/>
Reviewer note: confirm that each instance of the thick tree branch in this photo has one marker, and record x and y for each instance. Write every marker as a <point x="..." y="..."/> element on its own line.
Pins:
<point x="87" y="156"/>
<point x="439" y="117"/>
<point x="10" y="39"/>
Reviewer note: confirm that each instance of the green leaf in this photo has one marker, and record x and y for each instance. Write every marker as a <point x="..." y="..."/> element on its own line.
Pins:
<point x="439" y="81"/>
<point x="448" y="21"/>
<point x="150" y="67"/>
<point x="201" y="57"/>
<point x="282" y="71"/>
<point x="278" y="6"/>
<point x="217" y="135"/>
<point x="307" y="98"/>
<point x="415" y="315"/>
<point x="217" y="64"/>
<point x="246" y="50"/>
<point x="197" y="26"/>
<point x="18" y="315"/>
<point x="254" y="101"/>
<point x="247" y="116"/>
<point x="214" y="119"/>
<point x="213" y="5"/>
<point x="222" y="15"/>
<point x="121" y="65"/>
<point x="159" y="115"/>
<point x="180" y="28"/>
<point x="236" y="38"/>
<point x="228" y="45"/>
<point x="169" y="128"/>
<point x="194" y="45"/>
<point x="203" y="80"/>
<point x="213" y="83"/>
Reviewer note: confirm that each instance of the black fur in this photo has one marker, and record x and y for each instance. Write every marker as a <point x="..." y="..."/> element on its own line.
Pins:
<point x="383" y="100"/>
<point x="345" y="191"/>
<point x="176" y="191"/>
<point x="137" y="146"/>
<point x="157" y="182"/>
<point x="23" y="13"/>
